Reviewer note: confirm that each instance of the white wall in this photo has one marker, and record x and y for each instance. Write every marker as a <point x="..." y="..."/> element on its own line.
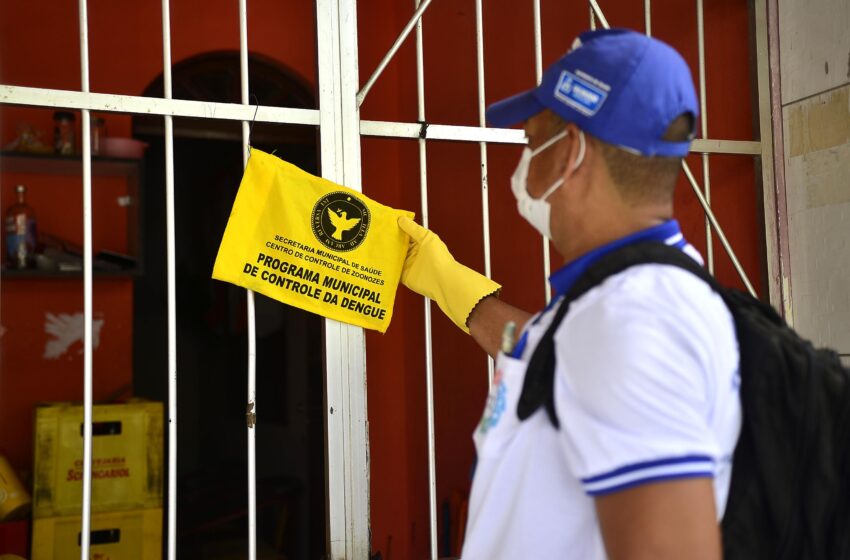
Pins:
<point x="815" y="71"/>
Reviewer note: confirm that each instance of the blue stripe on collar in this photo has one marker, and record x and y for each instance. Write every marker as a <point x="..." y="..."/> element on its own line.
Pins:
<point x="563" y="278"/>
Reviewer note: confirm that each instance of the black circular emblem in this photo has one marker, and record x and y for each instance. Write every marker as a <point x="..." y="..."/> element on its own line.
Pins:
<point x="340" y="221"/>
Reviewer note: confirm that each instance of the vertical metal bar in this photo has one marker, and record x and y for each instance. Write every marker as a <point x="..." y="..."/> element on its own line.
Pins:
<point x="709" y="244"/>
<point x="482" y="120"/>
<point x="538" y="72"/>
<point x="772" y="161"/>
<point x="345" y="353"/>
<point x="171" y="280"/>
<point x="592" y="17"/>
<point x="647" y="16"/>
<point x="538" y="42"/>
<point x="429" y="350"/>
<point x="85" y="543"/>
<point x="251" y="409"/>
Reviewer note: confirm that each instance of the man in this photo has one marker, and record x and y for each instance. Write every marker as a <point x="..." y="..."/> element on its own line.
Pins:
<point x="646" y="382"/>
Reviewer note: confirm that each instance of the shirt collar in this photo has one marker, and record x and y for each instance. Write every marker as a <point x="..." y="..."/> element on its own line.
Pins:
<point x="563" y="278"/>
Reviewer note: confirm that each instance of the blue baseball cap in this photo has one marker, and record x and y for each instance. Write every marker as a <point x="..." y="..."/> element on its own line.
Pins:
<point x="617" y="84"/>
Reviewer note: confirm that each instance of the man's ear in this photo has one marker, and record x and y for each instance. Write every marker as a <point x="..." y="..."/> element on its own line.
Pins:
<point x="580" y="152"/>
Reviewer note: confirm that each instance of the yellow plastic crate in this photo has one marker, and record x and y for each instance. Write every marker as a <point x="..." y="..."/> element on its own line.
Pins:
<point x="126" y="458"/>
<point x="120" y="535"/>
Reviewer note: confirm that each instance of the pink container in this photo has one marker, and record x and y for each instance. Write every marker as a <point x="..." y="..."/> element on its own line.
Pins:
<point x="122" y="147"/>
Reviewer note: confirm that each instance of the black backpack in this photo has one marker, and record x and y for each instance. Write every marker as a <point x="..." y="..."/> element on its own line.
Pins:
<point x="790" y="491"/>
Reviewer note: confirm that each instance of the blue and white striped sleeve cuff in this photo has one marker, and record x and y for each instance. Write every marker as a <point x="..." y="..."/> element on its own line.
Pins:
<point x="689" y="466"/>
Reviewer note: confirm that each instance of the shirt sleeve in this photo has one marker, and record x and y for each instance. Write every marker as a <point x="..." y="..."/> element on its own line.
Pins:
<point x="635" y="391"/>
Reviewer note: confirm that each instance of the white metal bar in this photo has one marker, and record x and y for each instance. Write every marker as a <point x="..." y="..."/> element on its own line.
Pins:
<point x="592" y="19"/>
<point x="105" y="102"/>
<point x="417" y="15"/>
<point x="482" y="119"/>
<point x="455" y="133"/>
<point x="251" y="409"/>
<point x="594" y="7"/>
<point x="171" y="281"/>
<point x="728" y="147"/>
<point x="101" y="102"/>
<point x="647" y="16"/>
<point x="429" y="349"/>
<point x="720" y="235"/>
<point x="538" y="42"/>
<point x="85" y="534"/>
<point x="442" y="132"/>
<point x="538" y="73"/>
<point x="345" y="357"/>
<point x="706" y="181"/>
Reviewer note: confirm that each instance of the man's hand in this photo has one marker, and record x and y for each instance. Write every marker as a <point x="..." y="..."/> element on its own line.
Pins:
<point x="431" y="270"/>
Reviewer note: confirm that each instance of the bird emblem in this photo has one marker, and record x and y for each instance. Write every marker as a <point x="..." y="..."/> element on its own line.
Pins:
<point x="341" y="222"/>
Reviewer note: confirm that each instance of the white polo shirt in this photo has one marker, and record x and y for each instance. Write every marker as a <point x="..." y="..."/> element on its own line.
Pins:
<point x="646" y="390"/>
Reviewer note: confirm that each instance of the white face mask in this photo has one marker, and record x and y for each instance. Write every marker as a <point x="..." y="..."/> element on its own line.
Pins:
<point x="536" y="211"/>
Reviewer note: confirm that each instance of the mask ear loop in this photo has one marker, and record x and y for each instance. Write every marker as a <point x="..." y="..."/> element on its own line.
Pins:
<point x="579" y="160"/>
<point x="581" y="149"/>
<point x="549" y="142"/>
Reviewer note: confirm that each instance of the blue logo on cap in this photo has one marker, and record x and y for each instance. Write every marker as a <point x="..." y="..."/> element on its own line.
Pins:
<point x="580" y="94"/>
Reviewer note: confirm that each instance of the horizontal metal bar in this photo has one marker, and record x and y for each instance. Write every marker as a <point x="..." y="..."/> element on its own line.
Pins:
<point x="37" y="97"/>
<point x="443" y="132"/>
<point x="516" y="136"/>
<point x="730" y="147"/>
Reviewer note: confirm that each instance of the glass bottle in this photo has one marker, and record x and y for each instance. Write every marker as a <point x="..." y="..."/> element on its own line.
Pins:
<point x="64" y="134"/>
<point x="98" y="133"/>
<point x="20" y="232"/>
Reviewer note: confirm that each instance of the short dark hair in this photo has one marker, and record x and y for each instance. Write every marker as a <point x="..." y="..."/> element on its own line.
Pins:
<point x="642" y="179"/>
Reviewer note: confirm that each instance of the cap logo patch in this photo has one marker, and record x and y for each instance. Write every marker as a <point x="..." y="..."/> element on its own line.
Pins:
<point x="579" y="93"/>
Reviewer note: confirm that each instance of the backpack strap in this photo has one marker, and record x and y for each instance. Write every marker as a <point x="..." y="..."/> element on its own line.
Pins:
<point x="538" y="385"/>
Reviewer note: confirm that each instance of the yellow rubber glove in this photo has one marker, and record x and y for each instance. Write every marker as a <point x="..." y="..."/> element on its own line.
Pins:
<point x="431" y="270"/>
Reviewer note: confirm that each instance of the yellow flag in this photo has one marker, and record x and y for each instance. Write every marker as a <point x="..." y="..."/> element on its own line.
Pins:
<point x="313" y="244"/>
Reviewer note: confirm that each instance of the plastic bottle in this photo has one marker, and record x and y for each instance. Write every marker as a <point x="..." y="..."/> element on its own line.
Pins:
<point x="20" y="232"/>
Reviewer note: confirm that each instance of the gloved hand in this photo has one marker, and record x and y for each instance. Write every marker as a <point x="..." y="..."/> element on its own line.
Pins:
<point x="431" y="270"/>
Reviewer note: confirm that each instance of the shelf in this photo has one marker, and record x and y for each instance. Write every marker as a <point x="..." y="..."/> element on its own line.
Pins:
<point x="131" y="169"/>
<point x="51" y="164"/>
<point x="17" y="273"/>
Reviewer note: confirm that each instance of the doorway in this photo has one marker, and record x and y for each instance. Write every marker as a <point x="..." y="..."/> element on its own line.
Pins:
<point x="212" y="329"/>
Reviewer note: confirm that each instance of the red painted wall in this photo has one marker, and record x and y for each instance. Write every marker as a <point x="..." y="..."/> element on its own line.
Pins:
<point x="38" y="47"/>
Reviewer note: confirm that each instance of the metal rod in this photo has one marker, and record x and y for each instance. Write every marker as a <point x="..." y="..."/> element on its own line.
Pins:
<point x="647" y="16"/>
<point x="482" y="119"/>
<point x="429" y="348"/>
<point x="706" y="181"/>
<point x="592" y="19"/>
<point x="538" y="73"/>
<point x="538" y="42"/>
<point x="107" y="102"/>
<point x="251" y="409"/>
<point x="720" y="235"/>
<point x="85" y="543"/>
<point x="361" y="95"/>
<point x="171" y="281"/>
<point x="595" y="8"/>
